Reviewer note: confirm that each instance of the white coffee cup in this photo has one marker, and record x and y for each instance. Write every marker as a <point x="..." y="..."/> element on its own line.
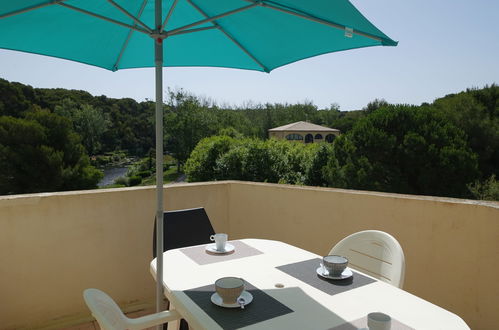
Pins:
<point x="220" y="240"/>
<point x="334" y="265"/>
<point x="379" y="321"/>
<point x="229" y="289"/>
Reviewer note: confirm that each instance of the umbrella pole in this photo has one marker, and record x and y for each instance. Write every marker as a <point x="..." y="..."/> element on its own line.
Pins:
<point x="158" y="58"/>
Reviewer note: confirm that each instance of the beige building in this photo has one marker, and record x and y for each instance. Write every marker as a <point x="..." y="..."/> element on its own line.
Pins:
<point x="304" y="132"/>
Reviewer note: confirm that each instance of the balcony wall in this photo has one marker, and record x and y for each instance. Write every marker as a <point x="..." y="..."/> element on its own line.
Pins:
<point x="451" y="245"/>
<point x="53" y="246"/>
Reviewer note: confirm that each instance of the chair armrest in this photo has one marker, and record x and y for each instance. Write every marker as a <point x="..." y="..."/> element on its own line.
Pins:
<point x="153" y="320"/>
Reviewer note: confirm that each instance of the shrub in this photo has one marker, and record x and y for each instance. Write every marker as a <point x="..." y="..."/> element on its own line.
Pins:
<point x="229" y="166"/>
<point x="315" y="174"/>
<point x="102" y="160"/>
<point x="257" y="163"/>
<point x="134" y="180"/>
<point x="121" y="181"/>
<point x="488" y="190"/>
<point x="144" y="174"/>
<point x="225" y="158"/>
<point x="201" y="165"/>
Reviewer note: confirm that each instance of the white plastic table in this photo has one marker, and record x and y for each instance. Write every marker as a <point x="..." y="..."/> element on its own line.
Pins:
<point x="312" y="308"/>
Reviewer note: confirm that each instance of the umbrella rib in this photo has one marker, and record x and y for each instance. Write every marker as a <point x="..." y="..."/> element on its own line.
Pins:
<point x="127" y="40"/>
<point x="312" y="18"/>
<point x="210" y="19"/>
<point x="86" y="12"/>
<point x="135" y="19"/>
<point x="193" y="30"/>
<point x="167" y="18"/>
<point x="24" y="10"/>
<point x="228" y="35"/>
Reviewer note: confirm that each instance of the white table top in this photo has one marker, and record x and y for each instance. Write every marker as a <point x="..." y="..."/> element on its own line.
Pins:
<point x="313" y="308"/>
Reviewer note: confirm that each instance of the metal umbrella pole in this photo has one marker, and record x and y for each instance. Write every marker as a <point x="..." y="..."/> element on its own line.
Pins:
<point x="158" y="60"/>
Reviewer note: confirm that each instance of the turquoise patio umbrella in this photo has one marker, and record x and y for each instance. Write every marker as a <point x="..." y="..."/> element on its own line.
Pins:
<point x="244" y="34"/>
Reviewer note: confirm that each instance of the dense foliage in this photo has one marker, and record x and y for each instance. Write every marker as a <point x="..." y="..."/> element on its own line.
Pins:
<point x="395" y="149"/>
<point x="224" y="157"/>
<point x="41" y="152"/>
<point x="476" y="112"/>
<point x="113" y="124"/>
<point x="107" y="124"/>
<point x="449" y="147"/>
<point x="87" y="121"/>
<point x="403" y="149"/>
<point x="487" y="190"/>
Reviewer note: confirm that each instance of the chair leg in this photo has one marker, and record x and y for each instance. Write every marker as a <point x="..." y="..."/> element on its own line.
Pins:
<point x="166" y="305"/>
<point x="183" y="325"/>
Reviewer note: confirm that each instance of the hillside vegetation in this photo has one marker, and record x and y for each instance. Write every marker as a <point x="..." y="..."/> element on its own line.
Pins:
<point x="448" y="148"/>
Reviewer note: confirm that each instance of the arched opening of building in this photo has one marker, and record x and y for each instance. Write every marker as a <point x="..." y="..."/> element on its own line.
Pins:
<point x="318" y="136"/>
<point x="309" y="138"/>
<point x="330" y="138"/>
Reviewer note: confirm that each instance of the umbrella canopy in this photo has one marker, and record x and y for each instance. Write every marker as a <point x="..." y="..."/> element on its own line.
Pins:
<point x="245" y="34"/>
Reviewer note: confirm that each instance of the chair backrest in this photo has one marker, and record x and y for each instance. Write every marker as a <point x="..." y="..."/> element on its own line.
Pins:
<point x="105" y="310"/>
<point x="183" y="228"/>
<point x="375" y="253"/>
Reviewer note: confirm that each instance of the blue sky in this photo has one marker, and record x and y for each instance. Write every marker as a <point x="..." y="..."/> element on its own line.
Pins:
<point x="445" y="46"/>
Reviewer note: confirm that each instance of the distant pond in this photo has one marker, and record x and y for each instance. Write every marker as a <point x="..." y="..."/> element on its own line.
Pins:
<point x="111" y="174"/>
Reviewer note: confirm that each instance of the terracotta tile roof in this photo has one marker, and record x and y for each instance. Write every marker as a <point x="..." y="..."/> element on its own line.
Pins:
<point x="303" y="126"/>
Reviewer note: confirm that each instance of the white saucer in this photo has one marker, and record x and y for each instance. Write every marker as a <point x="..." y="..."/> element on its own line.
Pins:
<point x="347" y="273"/>
<point x="213" y="248"/>
<point x="217" y="300"/>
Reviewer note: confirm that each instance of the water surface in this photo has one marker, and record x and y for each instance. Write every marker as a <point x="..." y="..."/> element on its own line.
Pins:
<point x="111" y="174"/>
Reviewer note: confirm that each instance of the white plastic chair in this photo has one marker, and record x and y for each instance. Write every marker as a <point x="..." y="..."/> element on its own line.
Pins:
<point x="375" y="253"/>
<point x="110" y="317"/>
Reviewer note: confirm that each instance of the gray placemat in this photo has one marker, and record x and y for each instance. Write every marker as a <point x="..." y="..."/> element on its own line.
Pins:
<point x="262" y="308"/>
<point x="306" y="271"/>
<point x="199" y="254"/>
<point x="362" y="324"/>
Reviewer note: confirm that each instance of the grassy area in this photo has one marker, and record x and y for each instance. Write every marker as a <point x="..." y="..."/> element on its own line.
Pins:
<point x="169" y="175"/>
<point x="114" y="185"/>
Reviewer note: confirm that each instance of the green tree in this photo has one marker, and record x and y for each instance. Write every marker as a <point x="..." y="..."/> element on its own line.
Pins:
<point x="487" y="190"/>
<point x="250" y="159"/>
<point x="375" y="105"/>
<point x="290" y="162"/>
<point x="327" y="117"/>
<point x="187" y="121"/>
<point x="347" y="120"/>
<point x="42" y="153"/>
<point x="315" y="175"/>
<point x="13" y="102"/>
<point x="87" y="121"/>
<point x="230" y="165"/>
<point x="202" y="163"/>
<point x="404" y="149"/>
<point x="476" y="112"/>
